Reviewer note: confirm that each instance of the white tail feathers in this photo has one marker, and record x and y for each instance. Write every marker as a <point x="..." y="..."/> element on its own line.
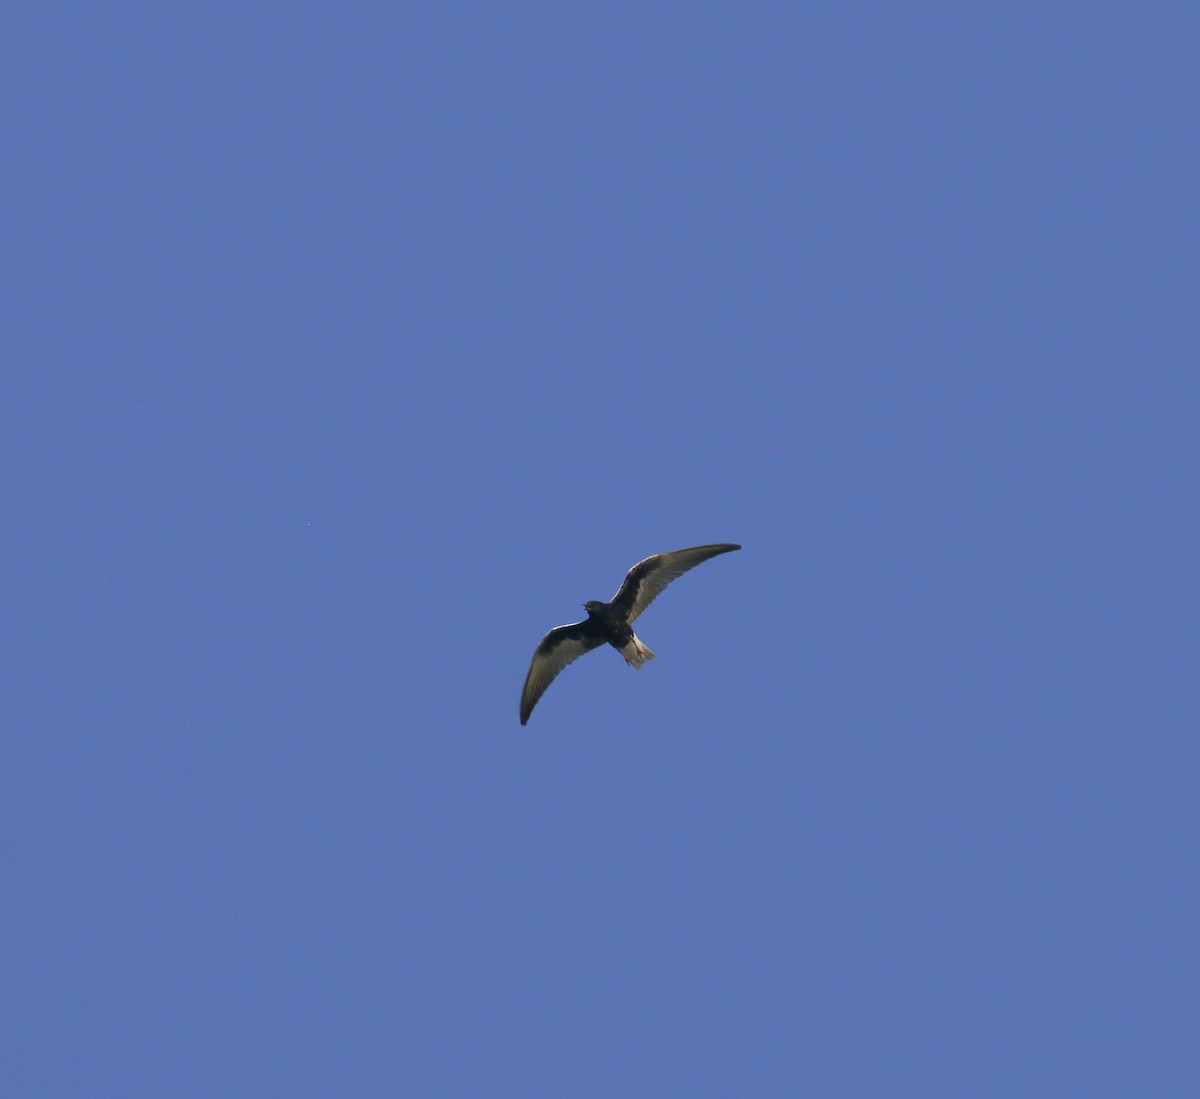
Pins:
<point x="636" y="653"/>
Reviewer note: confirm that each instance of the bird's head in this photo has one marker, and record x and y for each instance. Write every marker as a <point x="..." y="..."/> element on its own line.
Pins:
<point x="592" y="605"/>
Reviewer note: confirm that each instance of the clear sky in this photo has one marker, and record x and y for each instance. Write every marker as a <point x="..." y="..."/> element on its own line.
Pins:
<point x="349" y="348"/>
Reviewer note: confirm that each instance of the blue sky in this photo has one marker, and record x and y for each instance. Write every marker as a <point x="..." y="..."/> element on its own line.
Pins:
<point x="350" y="348"/>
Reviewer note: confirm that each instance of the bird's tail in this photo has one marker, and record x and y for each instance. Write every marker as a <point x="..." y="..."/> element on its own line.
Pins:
<point x="635" y="652"/>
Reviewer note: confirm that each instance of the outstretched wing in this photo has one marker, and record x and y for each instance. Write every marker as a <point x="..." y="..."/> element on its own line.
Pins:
<point x="557" y="649"/>
<point x="647" y="578"/>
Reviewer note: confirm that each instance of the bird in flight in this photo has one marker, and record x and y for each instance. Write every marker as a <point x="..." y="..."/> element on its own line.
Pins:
<point x="611" y="622"/>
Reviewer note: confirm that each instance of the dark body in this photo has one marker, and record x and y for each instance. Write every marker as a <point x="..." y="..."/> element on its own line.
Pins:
<point x="608" y="623"/>
<point x="611" y="622"/>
